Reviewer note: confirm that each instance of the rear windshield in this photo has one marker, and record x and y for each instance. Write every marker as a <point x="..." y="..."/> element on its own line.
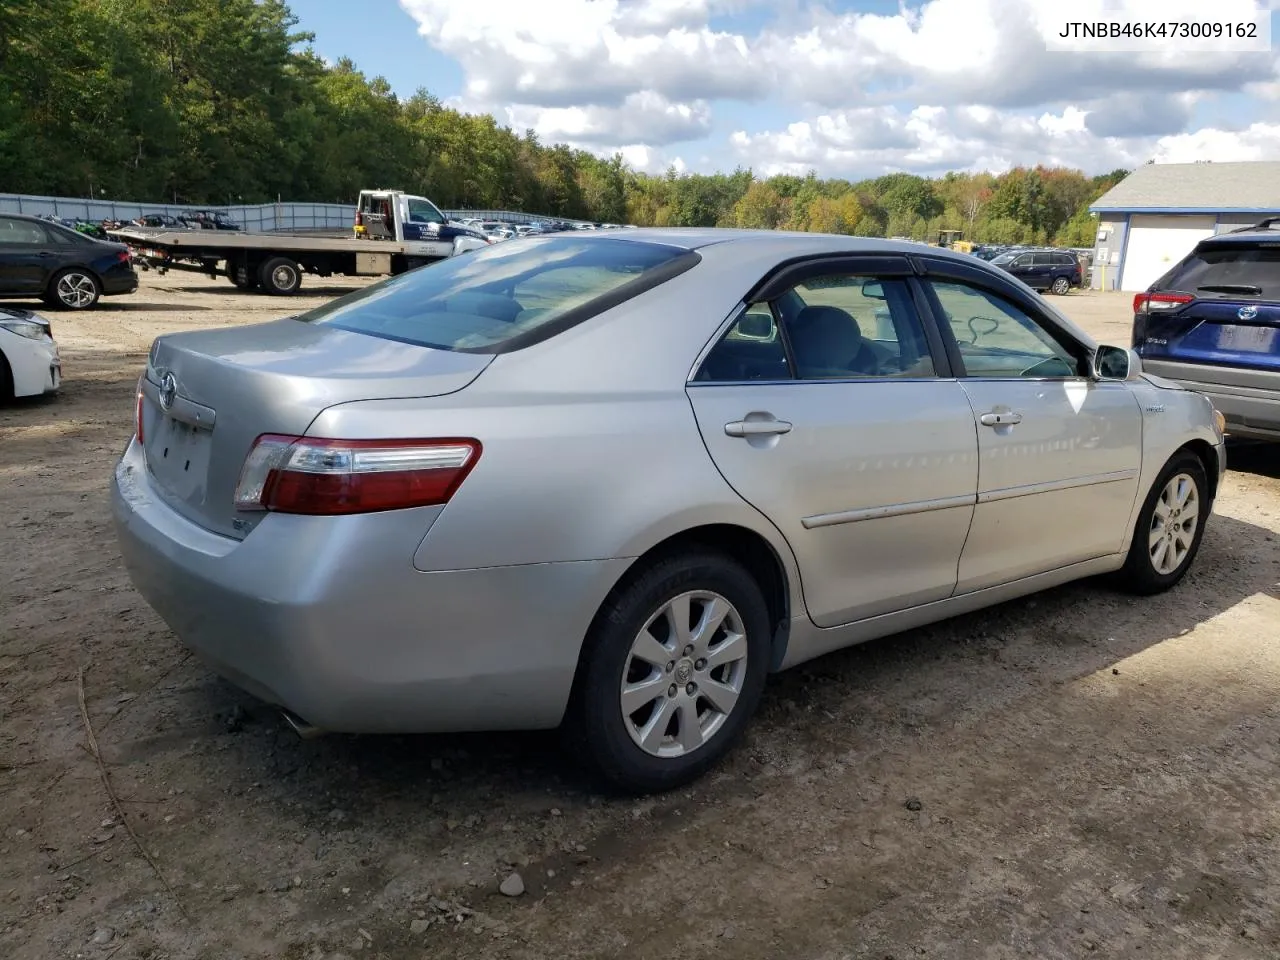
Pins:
<point x="507" y="295"/>
<point x="1255" y="270"/>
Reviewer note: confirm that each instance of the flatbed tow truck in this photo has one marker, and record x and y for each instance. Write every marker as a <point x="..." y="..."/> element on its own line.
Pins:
<point x="393" y="232"/>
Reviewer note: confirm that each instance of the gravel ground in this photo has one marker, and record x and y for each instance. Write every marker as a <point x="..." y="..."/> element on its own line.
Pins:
<point x="1075" y="774"/>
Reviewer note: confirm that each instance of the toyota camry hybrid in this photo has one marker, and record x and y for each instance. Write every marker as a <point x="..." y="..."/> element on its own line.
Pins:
<point x="609" y="482"/>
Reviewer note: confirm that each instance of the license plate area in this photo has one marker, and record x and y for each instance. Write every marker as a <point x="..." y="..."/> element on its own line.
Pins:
<point x="178" y="457"/>
<point x="1247" y="339"/>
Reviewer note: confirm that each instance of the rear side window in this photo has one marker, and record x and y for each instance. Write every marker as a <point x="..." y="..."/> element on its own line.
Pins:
<point x="505" y="296"/>
<point x="21" y="231"/>
<point x="1236" y="269"/>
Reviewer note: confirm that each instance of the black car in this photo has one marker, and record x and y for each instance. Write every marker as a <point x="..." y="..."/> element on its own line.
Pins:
<point x="160" y="221"/>
<point x="213" y="220"/>
<point x="1052" y="270"/>
<point x="63" y="266"/>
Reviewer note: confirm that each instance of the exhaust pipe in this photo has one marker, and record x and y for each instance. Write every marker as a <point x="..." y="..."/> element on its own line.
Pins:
<point x="303" y="729"/>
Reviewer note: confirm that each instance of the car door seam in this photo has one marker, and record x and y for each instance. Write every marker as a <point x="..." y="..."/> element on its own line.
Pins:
<point x="977" y="482"/>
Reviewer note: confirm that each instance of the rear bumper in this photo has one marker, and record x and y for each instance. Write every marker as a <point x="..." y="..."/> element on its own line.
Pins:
<point x="116" y="282"/>
<point x="357" y="640"/>
<point x="1249" y="399"/>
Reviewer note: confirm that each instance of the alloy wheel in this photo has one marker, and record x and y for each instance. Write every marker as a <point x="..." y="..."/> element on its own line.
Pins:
<point x="1173" y="524"/>
<point x="684" y="674"/>
<point x="77" y="290"/>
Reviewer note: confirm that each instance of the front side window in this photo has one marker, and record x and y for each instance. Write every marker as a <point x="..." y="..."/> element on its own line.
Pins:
<point x="484" y="300"/>
<point x="423" y="211"/>
<point x="998" y="339"/>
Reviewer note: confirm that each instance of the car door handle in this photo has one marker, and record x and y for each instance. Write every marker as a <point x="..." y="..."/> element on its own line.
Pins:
<point x="756" y="428"/>
<point x="44" y="253"/>
<point x="1000" y="419"/>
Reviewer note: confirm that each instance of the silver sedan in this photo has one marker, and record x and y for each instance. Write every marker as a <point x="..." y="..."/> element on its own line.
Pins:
<point x="610" y="481"/>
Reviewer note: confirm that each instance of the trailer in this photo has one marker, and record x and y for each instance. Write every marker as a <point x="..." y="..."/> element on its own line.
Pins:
<point x="393" y="232"/>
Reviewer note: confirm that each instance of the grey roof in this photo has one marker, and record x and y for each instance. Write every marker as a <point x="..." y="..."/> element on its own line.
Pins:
<point x="1211" y="187"/>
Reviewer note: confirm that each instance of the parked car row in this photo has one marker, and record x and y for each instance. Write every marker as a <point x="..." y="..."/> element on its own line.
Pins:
<point x="200" y="220"/>
<point x="507" y="230"/>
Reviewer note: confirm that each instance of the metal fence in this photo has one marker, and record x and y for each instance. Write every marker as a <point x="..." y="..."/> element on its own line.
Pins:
<point x="259" y="218"/>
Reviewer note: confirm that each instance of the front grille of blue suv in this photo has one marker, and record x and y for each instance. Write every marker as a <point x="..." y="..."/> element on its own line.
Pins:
<point x="1212" y="323"/>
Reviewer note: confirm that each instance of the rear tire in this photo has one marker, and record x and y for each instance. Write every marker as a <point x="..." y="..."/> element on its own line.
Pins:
<point x="242" y="277"/>
<point x="280" y="276"/>
<point x="73" y="289"/>
<point x="690" y="692"/>
<point x="1170" y="527"/>
<point x="1061" y="286"/>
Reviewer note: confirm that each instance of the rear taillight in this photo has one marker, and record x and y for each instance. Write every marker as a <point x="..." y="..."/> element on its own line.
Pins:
<point x="319" y="477"/>
<point x="123" y="255"/>
<point x="1160" y="302"/>
<point x="137" y="412"/>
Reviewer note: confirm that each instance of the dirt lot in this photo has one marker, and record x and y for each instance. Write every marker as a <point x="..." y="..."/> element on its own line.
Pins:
<point x="1088" y="774"/>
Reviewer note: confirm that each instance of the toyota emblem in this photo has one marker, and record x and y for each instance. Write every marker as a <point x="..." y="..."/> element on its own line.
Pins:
<point x="168" y="390"/>
<point x="1247" y="312"/>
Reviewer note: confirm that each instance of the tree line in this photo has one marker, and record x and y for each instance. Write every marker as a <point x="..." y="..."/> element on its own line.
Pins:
<point x="224" y="101"/>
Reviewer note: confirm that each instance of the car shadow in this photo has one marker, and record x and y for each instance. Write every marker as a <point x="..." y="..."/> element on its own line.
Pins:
<point x="1254" y="456"/>
<point x="227" y="290"/>
<point x="122" y="304"/>
<point x="932" y="677"/>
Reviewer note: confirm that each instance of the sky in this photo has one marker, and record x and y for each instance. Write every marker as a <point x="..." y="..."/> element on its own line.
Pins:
<point x="847" y="88"/>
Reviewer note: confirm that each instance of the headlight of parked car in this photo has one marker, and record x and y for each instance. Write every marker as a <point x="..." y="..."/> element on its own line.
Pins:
<point x="25" y="328"/>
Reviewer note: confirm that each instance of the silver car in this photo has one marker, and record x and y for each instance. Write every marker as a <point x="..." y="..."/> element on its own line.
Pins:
<point x="611" y="481"/>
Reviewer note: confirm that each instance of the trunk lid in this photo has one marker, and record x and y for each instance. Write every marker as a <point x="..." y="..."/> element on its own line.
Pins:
<point x="1229" y="332"/>
<point x="207" y="395"/>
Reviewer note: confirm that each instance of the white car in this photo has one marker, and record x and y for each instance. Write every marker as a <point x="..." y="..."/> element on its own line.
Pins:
<point x="29" y="361"/>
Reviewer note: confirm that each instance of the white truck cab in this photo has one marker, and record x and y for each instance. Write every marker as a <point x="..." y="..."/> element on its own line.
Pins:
<point x="402" y="217"/>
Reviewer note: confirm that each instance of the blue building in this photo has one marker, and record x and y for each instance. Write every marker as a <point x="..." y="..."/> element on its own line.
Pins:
<point x="1154" y="217"/>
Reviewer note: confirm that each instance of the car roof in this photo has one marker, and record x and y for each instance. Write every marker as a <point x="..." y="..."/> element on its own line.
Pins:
<point x="1262" y="235"/>
<point x="783" y="242"/>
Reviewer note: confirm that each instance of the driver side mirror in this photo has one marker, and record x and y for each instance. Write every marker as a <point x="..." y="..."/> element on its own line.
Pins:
<point x="1115" y="363"/>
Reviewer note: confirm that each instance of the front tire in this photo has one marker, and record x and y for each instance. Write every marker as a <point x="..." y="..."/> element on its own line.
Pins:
<point x="1061" y="286"/>
<point x="672" y="670"/>
<point x="1170" y="527"/>
<point x="280" y="276"/>
<point x="73" y="289"/>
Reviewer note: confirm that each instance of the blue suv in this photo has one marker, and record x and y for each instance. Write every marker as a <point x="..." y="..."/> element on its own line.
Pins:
<point x="1054" y="270"/>
<point x="1212" y="324"/>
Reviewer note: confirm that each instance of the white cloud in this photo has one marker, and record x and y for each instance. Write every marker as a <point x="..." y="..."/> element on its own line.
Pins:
<point x="642" y="117"/>
<point x="1259" y="141"/>
<point x="648" y="75"/>
<point x="930" y="139"/>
